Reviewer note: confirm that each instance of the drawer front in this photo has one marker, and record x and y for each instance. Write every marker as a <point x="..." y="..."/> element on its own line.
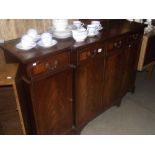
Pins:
<point x="52" y="63"/>
<point x="90" y="52"/>
<point x="116" y="43"/>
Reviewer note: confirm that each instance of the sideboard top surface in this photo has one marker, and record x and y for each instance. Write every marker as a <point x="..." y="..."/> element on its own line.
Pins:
<point x="113" y="29"/>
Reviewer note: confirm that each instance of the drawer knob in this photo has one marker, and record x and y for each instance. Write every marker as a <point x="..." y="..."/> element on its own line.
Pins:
<point x="99" y="50"/>
<point x="34" y="64"/>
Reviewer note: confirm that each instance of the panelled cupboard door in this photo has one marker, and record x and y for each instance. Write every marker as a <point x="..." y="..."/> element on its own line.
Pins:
<point x="89" y="88"/>
<point x="129" y="74"/>
<point x="52" y="103"/>
<point x="134" y="55"/>
<point x="131" y="58"/>
<point x="113" y="78"/>
<point x="127" y="68"/>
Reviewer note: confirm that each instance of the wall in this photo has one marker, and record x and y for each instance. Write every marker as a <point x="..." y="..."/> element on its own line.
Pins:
<point x="15" y="28"/>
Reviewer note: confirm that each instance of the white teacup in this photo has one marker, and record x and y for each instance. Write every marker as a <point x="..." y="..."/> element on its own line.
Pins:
<point x="46" y="39"/>
<point x="27" y="41"/>
<point x="78" y="24"/>
<point x="32" y="33"/>
<point x="97" y="24"/>
<point x="60" y="24"/>
<point x="92" y="30"/>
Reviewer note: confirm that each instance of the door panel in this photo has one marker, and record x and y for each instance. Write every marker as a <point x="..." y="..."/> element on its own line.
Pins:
<point x="89" y="88"/>
<point x="52" y="102"/>
<point x="113" y="78"/>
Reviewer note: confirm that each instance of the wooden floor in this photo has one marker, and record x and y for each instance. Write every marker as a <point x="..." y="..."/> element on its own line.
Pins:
<point x="9" y="119"/>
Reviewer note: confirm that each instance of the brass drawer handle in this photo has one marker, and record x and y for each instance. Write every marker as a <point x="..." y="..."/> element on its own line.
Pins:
<point x="52" y="68"/>
<point x="118" y="44"/>
<point x="115" y="44"/>
<point x="88" y="53"/>
<point x="47" y="66"/>
<point x="94" y="52"/>
<point x="55" y="63"/>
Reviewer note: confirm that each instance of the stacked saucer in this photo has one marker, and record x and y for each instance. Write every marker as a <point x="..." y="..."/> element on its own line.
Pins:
<point x="62" y="34"/>
<point x="60" y="28"/>
<point x="32" y="38"/>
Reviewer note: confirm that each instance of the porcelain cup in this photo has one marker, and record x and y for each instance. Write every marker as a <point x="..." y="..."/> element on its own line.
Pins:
<point x="92" y="30"/>
<point x="46" y="38"/>
<point x="60" y="24"/>
<point x="27" y="41"/>
<point x="78" y="24"/>
<point x="97" y="24"/>
<point x="32" y="33"/>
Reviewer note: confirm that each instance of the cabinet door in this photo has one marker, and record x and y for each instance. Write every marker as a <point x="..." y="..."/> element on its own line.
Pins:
<point x="113" y="78"/>
<point x="130" y="64"/>
<point x="89" y="87"/>
<point x="127" y="68"/>
<point x="52" y="103"/>
<point x="135" y="50"/>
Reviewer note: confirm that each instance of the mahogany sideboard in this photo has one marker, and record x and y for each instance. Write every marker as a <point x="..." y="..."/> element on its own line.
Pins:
<point x="64" y="87"/>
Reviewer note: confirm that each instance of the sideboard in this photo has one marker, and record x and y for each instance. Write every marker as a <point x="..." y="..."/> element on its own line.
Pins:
<point x="64" y="87"/>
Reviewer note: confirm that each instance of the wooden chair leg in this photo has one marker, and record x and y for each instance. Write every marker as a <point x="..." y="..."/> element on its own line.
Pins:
<point x="19" y="108"/>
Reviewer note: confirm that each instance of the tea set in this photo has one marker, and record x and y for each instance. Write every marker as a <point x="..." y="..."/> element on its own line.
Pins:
<point x="60" y="29"/>
<point x="31" y="39"/>
<point x="80" y="33"/>
<point x="78" y="30"/>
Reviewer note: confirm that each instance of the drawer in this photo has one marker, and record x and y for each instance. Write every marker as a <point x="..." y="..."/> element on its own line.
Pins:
<point x="116" y="43"/>
<point x="90" y="52"/>
<point x="52" y="63"/>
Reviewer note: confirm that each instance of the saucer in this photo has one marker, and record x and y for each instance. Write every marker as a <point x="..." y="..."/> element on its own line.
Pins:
<point x="40" y="43"/>
<point x="19" y="46"/>
<point x="91" y="35"/>
<point x="62" y="34"/>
